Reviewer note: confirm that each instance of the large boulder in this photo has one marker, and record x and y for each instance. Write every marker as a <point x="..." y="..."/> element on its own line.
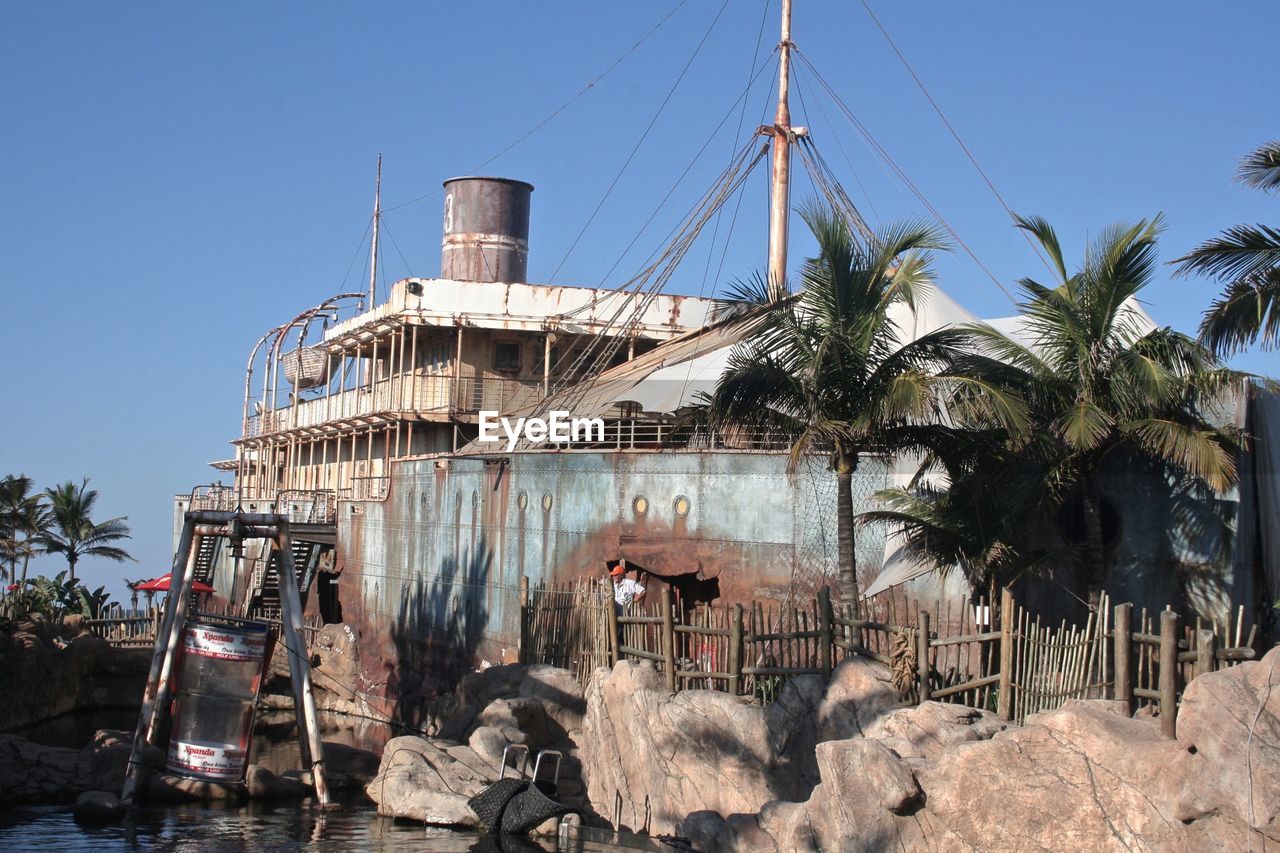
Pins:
<point x="47" y="670"/>
<point x="30" y="772"/>
<point x="428" y="781"/>
<point x="1232" y="719"/>
<point x="560" y="697"/>
<point x="921" y="733"/>
<point x="860" y="693"/>
<point x="650" y="757"/>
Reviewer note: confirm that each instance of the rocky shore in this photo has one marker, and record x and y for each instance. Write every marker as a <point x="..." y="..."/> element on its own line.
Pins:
<point x="838" y="765"/>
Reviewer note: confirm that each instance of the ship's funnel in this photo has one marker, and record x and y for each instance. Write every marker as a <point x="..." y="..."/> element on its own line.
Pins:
<point x="486" y="230"/>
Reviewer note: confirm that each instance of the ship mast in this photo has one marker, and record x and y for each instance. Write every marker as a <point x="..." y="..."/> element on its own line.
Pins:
<point x="377" y="215"/>
<point x="780" y="183"/>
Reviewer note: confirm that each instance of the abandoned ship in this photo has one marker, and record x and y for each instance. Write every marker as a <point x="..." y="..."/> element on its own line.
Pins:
<point x="361" y="424"/>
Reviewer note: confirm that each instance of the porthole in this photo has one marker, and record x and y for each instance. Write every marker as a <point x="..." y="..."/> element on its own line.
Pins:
<point x="640" y="505"/>
<point x="522" y="500"/>
<point x="681" y="506"/>
<point x="546" y="502"/>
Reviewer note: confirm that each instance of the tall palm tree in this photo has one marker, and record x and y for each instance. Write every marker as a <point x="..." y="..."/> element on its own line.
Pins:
<point x="1246" y="259"/>
<point x="24" y="518"/>
<point x="830" y="366"/>
<point x="73" y="532"/>
<point x="1097" y="379"/>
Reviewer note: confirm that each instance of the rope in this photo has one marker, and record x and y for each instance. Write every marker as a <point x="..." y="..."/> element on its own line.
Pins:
<point x="588" y="87"/>
<point x="903" y="665"/>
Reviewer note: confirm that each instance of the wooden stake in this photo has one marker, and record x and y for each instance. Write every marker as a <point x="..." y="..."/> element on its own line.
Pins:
<point x="1123" y="637"/>
<point x="922" y="654"/>
<point x="668" y="639"/>
<point x="1168" y="672"/>
<point x="1004" y="701"/>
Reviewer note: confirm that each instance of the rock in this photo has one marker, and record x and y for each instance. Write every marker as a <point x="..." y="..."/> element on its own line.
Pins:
<point x="661" y="756"/>
<point x="524" y="715"/>
<point x="1218" y="713"/>
<point x="1109" y="782"/>
<point x="491" y="742"/>
<point x="30" y="772"/>
<point x="98" y="806"/>
<point x="347" y="767"/>
<point x="860" y="693"/>
<point x="919" y="734"/>
<point x="706" y="830"/>
<point x="39" y="680"/>
<point x="793" y="735"/>
<point x="561" y="700"/>
<point x="422" y="780"/>
<point x="262" y="784"/>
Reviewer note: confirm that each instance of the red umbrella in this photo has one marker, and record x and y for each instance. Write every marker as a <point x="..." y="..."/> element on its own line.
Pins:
<point x="161" y="584"/>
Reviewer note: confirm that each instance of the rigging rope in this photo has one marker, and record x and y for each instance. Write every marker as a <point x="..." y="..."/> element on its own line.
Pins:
<point x="641" y="140"/>
<point x="954" y="133"/>
<point x="588" y="87"/>
<point x="897" y="170"/>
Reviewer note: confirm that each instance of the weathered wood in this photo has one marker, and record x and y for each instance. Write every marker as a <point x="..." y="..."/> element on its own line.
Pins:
<point x="1206" y="652"/>
<point x="972" y="684"/>
<point x="668" y="640"/>
<point x="922" y="654"/>
<point x="824" y="631"/>
<point x="1168" y="673"/>
<point x="1122" y="637"/>
<point x="735" y="651"/>
<point x="1004" y="697"/>
<point x="611" y="619"/>
<point x="522" y="650"/>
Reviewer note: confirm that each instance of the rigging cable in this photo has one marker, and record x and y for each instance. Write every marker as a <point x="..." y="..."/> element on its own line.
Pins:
<point x="902" y="176"/>
<point x="954" y="134"/>
<point x="590" y="85"/>
<point x="641" y="140"/>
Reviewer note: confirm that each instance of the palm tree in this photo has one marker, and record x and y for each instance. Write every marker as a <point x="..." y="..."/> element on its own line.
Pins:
<point x="24" y="518"/>
<point x="1246" y="259"/>
<point x="829" y="365"/>
<point x="74" y="533"/>
<point x="1098" y="379"/>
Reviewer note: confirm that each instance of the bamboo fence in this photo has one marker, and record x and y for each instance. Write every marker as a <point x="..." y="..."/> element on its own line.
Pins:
<point x="1005" y="659"/>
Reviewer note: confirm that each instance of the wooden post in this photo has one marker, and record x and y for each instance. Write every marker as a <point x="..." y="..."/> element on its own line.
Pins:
<point x="523" y="648"/>
<point x="299" y="665"/>
<point x="1168" y="673"/>
<point x="611" y="616"/>
<point x="1123" y="652"/>
<point x="167" y="637"/>
<point x="668" y="639"/>
<point x="1004" y="693"/>
<point x="825" y="628"/>
<point x="922" y="654"/>
<point x="1206" y="651"/>
<point x="735" y="651"/>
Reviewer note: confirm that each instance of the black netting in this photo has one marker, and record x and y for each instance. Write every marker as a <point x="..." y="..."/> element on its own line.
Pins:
<point x="492" y="801"/>
<point x="529" y="808"/>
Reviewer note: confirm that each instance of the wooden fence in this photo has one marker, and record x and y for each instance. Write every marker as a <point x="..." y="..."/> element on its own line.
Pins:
<point x="1000" y="659"/>
<point x="138" y="630"/>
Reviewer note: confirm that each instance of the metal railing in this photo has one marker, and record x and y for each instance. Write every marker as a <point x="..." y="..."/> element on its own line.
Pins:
<point x="309" y="506"/>
<point x="424" y="394"/>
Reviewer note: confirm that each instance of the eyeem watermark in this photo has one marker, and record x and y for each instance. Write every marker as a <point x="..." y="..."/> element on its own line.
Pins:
<point x="557" y="427"/>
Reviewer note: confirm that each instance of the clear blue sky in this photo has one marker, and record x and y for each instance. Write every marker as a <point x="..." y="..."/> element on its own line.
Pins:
<point x="177" y="178"/>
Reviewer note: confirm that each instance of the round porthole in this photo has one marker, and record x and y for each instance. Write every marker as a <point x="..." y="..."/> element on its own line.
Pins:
<point x="682" y="506"/>
<point x="640" y="505"/>
<point x="522" y="500"/>
<point x="546" y="502"/>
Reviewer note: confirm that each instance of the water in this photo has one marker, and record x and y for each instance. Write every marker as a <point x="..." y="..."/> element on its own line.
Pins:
<point x="282" y="826"/>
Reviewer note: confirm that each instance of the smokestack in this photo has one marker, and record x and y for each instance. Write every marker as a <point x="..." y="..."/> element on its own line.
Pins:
<point x="486" y="230"/>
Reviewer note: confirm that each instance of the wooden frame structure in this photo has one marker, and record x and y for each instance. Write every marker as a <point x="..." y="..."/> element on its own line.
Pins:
<point x="197" y="525"/>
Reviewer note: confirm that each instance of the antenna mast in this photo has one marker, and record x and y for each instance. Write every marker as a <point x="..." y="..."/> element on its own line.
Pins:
<point x="377" y="215"/>
<point x="780" y="183"/>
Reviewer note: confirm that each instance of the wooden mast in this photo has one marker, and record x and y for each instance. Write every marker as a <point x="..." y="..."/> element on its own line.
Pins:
<point x="377" y="215"/>
<point x="780" y="183"/>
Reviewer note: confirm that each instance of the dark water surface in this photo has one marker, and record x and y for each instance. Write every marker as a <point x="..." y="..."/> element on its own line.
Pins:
<point x="247" y="826"/>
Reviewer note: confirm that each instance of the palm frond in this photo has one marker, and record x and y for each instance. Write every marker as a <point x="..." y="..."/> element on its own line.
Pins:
<point x="1237" y="253"/>
<point x="1260" y="168"/>
<point x="1247" y="311"/>
<point x="1199" y="452"/>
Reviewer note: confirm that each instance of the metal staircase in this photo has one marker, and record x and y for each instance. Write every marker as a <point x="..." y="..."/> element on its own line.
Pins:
<point x="264" y="602"/>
